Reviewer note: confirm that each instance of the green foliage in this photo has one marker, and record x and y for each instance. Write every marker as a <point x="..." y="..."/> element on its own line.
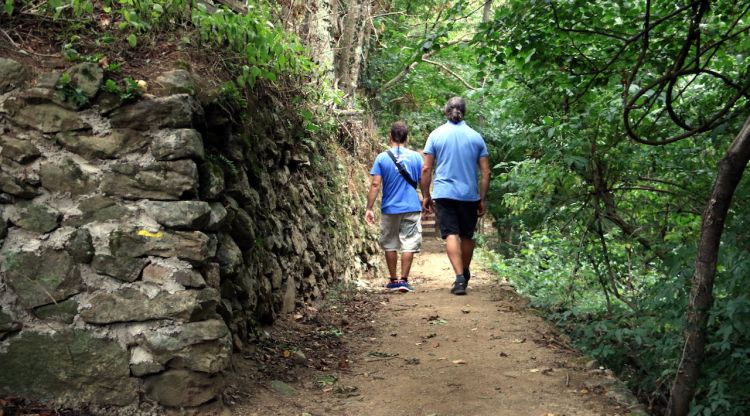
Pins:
<point x="600" y="232"/>
<point x="69" y="92"/>
<point x="266" y="52"/>
<point x="127" y="93"/>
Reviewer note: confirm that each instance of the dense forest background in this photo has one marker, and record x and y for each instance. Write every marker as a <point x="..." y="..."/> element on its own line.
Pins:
<point x="608" y="124"/>
<point x="617" y="129"/>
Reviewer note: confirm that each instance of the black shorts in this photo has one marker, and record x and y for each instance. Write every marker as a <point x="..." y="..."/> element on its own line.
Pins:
<point x="457" y="217"/>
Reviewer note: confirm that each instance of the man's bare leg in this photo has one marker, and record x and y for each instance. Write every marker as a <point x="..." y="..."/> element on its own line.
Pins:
<point x="391" y="258"/>
<point x="453" y="247"/>
<point x="406" y="258"/>
<point x="467" y="252"/>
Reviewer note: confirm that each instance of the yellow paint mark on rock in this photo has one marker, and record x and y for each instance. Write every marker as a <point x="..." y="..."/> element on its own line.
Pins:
<point x="147" y="233"/>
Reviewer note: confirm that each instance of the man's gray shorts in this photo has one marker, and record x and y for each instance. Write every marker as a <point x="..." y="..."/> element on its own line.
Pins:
<point x="401" y="232"/>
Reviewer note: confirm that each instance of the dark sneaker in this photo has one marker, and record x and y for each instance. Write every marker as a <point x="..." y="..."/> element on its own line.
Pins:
<point x="406" y="287"/>
<point x="459" y="288"/>
<point x="393" y="286"/>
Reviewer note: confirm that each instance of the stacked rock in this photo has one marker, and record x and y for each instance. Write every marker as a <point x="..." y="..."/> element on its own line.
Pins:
<point x="141" y="242"/>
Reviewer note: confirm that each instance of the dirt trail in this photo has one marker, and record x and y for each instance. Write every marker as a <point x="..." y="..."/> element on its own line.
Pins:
<point x="432" y="353"/>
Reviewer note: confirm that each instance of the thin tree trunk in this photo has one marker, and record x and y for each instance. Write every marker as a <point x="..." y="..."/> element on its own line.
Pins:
<point x="487" y="12"/>
<point x="319" y="23"/>
<point x="359" y="42"/>
<point x="347" y="43"/>
<point x="731" y="167"/>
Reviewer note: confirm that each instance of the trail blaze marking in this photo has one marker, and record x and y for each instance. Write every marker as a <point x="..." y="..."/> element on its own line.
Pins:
<point x="146" y="233"/>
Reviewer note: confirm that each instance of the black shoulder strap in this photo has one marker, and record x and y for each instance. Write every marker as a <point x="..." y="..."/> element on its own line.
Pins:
<point x="403" y="171"/>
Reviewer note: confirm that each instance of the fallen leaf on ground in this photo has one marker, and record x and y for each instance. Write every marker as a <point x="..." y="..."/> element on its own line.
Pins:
<point x="459" y="362"/>
<point x="519" y="340"/>
<point x="465" y="311"/>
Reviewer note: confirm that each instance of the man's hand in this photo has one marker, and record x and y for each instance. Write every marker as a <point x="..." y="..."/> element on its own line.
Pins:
<point x="482" y="209"/>
<point x="428" y="205"/>
<point x="370" y="216"/>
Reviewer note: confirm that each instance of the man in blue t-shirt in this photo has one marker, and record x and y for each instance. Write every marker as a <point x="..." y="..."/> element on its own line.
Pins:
<point x="400" y="222"/>
<point x="458" y="152"/>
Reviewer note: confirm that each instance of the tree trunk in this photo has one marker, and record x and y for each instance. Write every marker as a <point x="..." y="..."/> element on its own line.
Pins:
<point x="731" y="167"/>
<point x="487" y="12"/>
<point x="359" y="43"/>
<point x="347" y="43"/>
<point x="320" y="20"/>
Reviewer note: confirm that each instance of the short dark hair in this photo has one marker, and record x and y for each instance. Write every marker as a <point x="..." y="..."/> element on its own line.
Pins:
<point x="455" y="109"/>
<point x="399" y="132"/>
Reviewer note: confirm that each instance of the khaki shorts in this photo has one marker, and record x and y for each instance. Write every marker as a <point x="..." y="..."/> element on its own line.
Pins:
<point x="401" y="232"/>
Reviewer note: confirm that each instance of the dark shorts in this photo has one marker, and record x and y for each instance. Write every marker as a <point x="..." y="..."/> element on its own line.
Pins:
<point x="457" y="217"/>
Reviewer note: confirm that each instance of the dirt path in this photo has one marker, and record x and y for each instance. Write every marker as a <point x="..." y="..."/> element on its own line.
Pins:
<point x="432" y="353"/>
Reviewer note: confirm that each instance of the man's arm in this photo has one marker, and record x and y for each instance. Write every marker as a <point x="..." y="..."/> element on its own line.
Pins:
<point x="371" y="195"/>
<point x="484" y="184"/>
<point x="425" y="180"/>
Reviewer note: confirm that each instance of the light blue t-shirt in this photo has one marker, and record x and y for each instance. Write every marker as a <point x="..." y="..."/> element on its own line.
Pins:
<point x="398" y="196"/>
<point x="457" y="149"/>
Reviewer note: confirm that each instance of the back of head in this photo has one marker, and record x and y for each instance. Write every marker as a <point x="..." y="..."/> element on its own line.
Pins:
<point x="399" y="132"/>
<point x="455" y="109"/>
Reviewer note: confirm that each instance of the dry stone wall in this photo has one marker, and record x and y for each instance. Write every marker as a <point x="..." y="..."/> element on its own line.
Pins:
<point x="141" y="243"/>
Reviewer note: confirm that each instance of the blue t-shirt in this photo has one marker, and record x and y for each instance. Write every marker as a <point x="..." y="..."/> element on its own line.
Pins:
<point x="398" y="196"/>
<point x="457" y="149"/>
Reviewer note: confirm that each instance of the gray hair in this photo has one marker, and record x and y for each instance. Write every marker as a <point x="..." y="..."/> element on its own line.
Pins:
<point x="455" y="109"/>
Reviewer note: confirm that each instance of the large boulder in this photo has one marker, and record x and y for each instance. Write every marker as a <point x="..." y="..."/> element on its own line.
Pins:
<point x="8" y="325"/>
<point x="86" y="78"/>
<point x="211" y="180"/>
<point x="66" y="175"/>
<point x="39" y="218"/>
<point x="14" y="184"/>
<point x="97" y="208"/>
<point x="41" y="278"/>
<point x="80" y="246"/>
<point x="70" y="366"/>
<point x="113" y="145"/>
<point x="159" y="180"/>
<point x="183" y="388"/>
<point x="63" y="312"/>
<point x="201" y="346"/>
<point x="178" y="81"/>
<point x="22" y="151"/>
<point x="243" y="229"/>
<point x="181" y="215"/>
<point x="136" y="304"/>
<point x="218" y="216"/>
<point x="127" y="269"/>
<point x="49" y="118"/>
<point x="177" y="144"/>
<point x="167" y="272"/>
<point x="12" y="75"/>
<point x="229" y="256"/>
<point x="174" y="111"/>
<point x="193" y="246"/>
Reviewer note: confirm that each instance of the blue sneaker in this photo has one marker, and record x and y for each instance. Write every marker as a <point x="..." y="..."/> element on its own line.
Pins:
<point x="459" y="287"/>
<point x="399" y="286"/>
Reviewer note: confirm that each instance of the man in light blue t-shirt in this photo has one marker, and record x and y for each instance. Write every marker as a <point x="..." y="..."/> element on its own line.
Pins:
<point x="398" y="170"/>
<point x="458" y="153"/>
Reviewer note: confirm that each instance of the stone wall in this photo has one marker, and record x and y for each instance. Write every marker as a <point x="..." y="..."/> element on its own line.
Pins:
<point x="141" y="243"/>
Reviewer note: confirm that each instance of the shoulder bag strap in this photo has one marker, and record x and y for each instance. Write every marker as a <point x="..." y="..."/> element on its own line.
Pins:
<point x="403" y="171"/>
